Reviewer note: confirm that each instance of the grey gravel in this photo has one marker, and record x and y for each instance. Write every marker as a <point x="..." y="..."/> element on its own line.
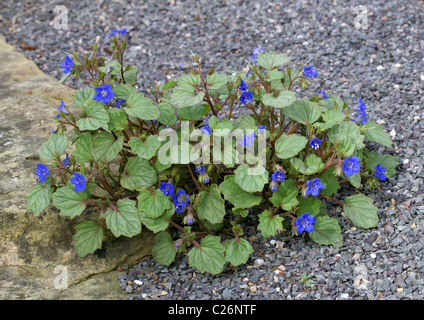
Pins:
<point x="383" y="64"/>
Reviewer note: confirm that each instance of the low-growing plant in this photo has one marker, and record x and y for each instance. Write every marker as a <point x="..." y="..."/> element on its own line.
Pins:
<point x="143" y="161"/>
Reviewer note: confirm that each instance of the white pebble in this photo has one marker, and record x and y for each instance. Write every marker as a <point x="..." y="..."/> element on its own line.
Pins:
<point x="373" y="255"/>
<point x="138" y="282"/>
<point x="393" y="133"/>
<point x="259" y="262"/>
<point x="344" y="296"/>
<point x="380" y="68"/>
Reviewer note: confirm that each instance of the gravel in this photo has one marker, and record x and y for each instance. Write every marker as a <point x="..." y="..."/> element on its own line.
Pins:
<point x="382" y="63"/>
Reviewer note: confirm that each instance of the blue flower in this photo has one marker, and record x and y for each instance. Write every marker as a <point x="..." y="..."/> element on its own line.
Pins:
<point x="256" y="52"/>
<point x="118" y="32"/>
<point x="166" y="188"/>
<point x="66" y="161"/>
<point x="206" y="178"/>
<point x="104" y="93"/>
<point x="190" y="219"/>
<point x="248" y="72"/>
<point x="178" y="243"/>
<point x="278" y="176"/>
<point x="42" y="172"/>
<point x="180" y="200"/>
<point x="315" y="143"/>
<point x="206" y="129"/>
<point x="305" y="223"/>
<point x="380" y="172"/>
<point x="310" y="72"/>
<point x="246" y="96"/>
<point x="78" y="180"/>
<point x="200" y="169"/>
<point x="313" y="186"/>
<point x="273" y="186"/>
<point x="243" y="85"/>
<point x="62" y="107"/>
<point x="119" y="102"/>
<point x="261" y="128"/>
<point x="361" y="106"/>
<point x="351" y="165"/>
<point x="183" y="66"/>
<point x="179" y="207"/>
<point x="55" y="129"/>
<point x="67" y="64"/>
<point x="323" y="94"/>
<point x="247" y="139"/>
<point x="360" y="116"/>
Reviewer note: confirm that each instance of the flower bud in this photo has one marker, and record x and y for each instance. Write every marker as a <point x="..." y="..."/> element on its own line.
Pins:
<point x="178" y="243"/>
<point x="273" y="186"/>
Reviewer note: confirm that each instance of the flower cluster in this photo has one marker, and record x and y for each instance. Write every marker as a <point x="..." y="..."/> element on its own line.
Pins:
<point x="67" y="64"/>
<point x="203" y="175"/>
<point x="180" y="200"/>
<point x="277" y="176"/>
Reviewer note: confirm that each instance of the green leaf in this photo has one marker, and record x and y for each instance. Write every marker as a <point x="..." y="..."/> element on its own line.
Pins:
<point x="140" y="174"/>
<point x="312" y="165"/>
<point x="89" y="238"/>
<point x="389" y="162"/>
<point x="287" y="146"/>
<point x="54" y="147"/>
<point x="95" y="117"/>
<point x="39" y="198"/>
<point x="245" y="122"/>
<point x="124" y="219"/>
<point x="347" y="129"/>
<point x="141" y="107"/>
<point x="355" y="180"/>
<point x="283" y="100"/>
<point x="303" y="111"/>
<point x="335" y="102"/>
<point x="193" y="112"/>
<point x="169" y="84"/>
<point x="272" y="59"/>
<point x="237" y="253"/>
<point x="216" y="81"/>
<point x="123" y="91"/>
<point x="153" y="204"/>
<point x="209" y="257"/>
<point x="167" y="114"/>
<point x="117" y="119"/>
<point x="184" y="95"/>
<point x="105" y="147"/>
<point x="83" y="97"/>
<point x="331" y="118"/>
<point x="327" y="232"/>
<point x="157" y="224"/>
<point x="130" y="74"/>
<point x="236" y="195"/>
<point x="375" y="132"/>
<point x="285" y="196"/>
<point x="83" y="147"/>
<point x="331" y="182"/>
<point x="269" y="225"/>
<point x="70" y="202"/>
<point x="361" y="211"/>
<point x="211" y="205"/>
<point x="164" y="249"/>
<point x="145" y="149"/>
<point x="251" y="179"/>
<point x="275" y="75"/>
<point x="310" y="204"/>
<point x="113" y="67"/>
